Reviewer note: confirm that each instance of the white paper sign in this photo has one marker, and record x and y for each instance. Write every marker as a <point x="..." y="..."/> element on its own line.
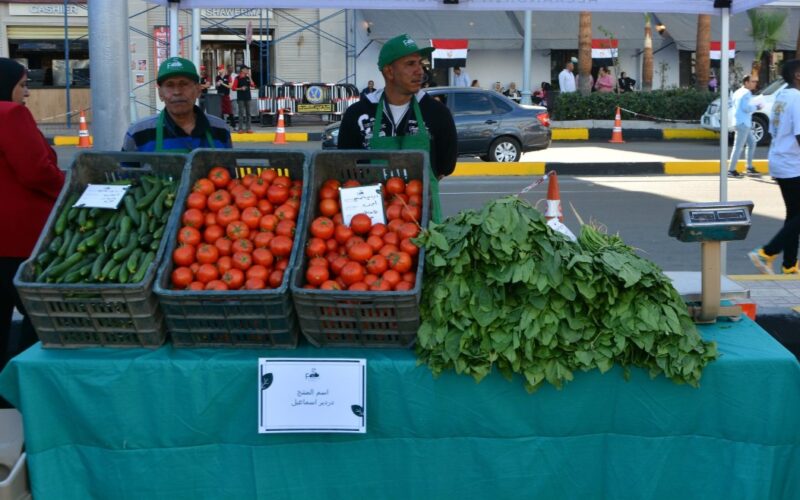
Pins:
<point x="362" y="200"/>
<point x="102" y="196"/>
<point x="312" y="395"/>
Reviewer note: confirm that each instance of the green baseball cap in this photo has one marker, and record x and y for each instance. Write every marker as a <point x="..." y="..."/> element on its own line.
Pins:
<point x="177" y="66"/>
<point x="400" y="46"/>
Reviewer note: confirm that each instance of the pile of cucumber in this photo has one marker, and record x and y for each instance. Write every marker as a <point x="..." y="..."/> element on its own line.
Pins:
<point x="95" y="245"/>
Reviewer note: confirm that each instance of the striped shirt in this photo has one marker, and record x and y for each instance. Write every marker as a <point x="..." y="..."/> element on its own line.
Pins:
<point x="141" y="136"/>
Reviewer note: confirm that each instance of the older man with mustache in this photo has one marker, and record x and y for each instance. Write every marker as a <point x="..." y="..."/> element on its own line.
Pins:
<point x="181" y="126"/>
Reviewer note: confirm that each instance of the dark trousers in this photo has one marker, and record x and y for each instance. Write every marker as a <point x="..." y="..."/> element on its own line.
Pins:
<point x="786" y="240"/>
<point x="8" y="299"/>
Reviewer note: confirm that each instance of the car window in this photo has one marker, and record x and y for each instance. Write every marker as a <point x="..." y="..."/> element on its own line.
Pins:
<point x="441" y="97"/>
<point x="501" y="106"/>
<point x="471" y="103"/>
<point x="772" y="87"/>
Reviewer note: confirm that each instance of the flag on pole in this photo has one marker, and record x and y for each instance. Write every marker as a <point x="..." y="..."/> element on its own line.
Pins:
<point x="449" y="53"/>
<point x="604" y="50"/>
<point x="716" y="49"/>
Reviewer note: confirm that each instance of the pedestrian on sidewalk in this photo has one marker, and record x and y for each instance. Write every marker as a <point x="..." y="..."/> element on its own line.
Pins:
<point x="223" y="84"/>
<point x="566" y="79"/>
<point x="744" y="108"/>
<point x="30" y="182"/>
<point x="242" y="84"/>
<point x="784" y="166"/>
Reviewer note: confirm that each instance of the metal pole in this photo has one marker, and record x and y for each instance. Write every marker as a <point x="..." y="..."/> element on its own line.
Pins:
<point x="196" y="38"/>
<point x="526" y="60"/>
<point x="723" y="126"/>
<point x="174" y="34"/>
<point x="267" y="41"/>
<point x="109" y="48"/>
<point x="261" y="50"/>
<point x="66" y="63"/>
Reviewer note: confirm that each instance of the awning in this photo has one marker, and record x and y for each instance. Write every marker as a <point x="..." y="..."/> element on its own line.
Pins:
<point x="45" y="32"/>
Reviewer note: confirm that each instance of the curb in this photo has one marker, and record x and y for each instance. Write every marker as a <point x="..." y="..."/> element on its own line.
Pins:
<point x="67" y="140"/>
<point x="683" y="167"/>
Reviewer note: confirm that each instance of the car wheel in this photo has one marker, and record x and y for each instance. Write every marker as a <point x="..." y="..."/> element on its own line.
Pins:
<point x="504" y="149"/>
<point x="760" y="130"/>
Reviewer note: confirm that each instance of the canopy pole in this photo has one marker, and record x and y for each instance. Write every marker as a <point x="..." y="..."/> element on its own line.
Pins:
<point x="723" y="126"/>
<point x="174" y="37"/>
<point x="526" y="60"/>
<point x="196" y="38"/>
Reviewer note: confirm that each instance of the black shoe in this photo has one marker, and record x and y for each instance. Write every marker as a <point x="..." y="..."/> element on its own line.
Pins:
<point x="753" y="173"/>
<point x="733" y="173"/>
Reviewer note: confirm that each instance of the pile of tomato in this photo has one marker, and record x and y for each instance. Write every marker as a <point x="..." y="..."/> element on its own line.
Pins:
<point x="236" y="234"/>
<point x="365" y="256"/>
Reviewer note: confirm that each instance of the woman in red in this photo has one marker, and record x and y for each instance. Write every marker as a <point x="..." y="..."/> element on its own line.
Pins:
<point x="30" y="182"/>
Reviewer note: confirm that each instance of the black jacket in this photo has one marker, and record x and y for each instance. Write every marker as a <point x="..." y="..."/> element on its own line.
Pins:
<point x="359" y="119"/>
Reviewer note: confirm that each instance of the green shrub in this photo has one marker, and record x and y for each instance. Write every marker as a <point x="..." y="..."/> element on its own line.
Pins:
<point x="674" y="104"/>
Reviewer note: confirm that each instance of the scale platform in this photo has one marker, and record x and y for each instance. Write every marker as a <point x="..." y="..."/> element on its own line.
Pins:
<point x="689" y="286"/>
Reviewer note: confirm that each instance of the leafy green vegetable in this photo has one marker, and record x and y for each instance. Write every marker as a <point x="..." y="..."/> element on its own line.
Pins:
<point x="501" y="289"/>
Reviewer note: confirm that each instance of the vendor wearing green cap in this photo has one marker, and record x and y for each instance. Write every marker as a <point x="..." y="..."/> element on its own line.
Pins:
<point x="181" y="126"/>
<point x="405" y="116"/>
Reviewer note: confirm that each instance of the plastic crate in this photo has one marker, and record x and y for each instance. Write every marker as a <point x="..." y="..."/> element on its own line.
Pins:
<point x="233" y="318"/>
<point x="99" y="315"/>
<point x="360" y="319"/>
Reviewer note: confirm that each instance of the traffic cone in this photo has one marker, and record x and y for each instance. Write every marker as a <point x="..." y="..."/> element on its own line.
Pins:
<point x="280" y="132"/>
<point x="553" y="199"/>
<point x="83" y="132"/>
<point x="616" y="134"/>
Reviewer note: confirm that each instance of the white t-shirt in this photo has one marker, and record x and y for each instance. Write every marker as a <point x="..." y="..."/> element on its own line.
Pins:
<point x="566" y="81"/>
<point x="398" y="112"/>
<point x="784" y="152"/>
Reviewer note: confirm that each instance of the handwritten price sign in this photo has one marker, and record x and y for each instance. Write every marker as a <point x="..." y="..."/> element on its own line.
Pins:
<point x="362" y="200"/>
<point x="102" y="196"/>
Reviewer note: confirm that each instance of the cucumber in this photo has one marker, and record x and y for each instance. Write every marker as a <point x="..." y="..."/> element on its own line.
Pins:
<point x="55" y="245"/>
<point x="46" y="273"/>
<point x="69" y="262"/>
<point x="123" y="274"/>
<point x="145" y="239"/>
<point x="133" y="259"/>
<point x="97" y="266"/>
<point x="130" y="208"/>
<point x="149" y="198"/>
<point x="68" y="234"/>
<point x="113" y="274"/>
<point x="73" y="244"/>
<point x="91" y="241"/>
<point x="158" y="203"/>
<point x="110" y="237"/>
<point x="125" y="229"/>
<point x="143" y="221"/>
<point x="83" y="216"/>
<point x="44" y="257"/>
<point x="125" y="252"/>
<point x="88" y="225"/>
<point x="143" y="265"/>
<point x="106" y="271"/>
<point x="61" y="221"/>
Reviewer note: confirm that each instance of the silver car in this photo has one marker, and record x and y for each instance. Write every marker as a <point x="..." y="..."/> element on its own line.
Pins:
<point x="766" y="96"/>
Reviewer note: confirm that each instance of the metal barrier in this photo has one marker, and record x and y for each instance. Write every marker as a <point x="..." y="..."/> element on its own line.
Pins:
<point x="303" y="98"/>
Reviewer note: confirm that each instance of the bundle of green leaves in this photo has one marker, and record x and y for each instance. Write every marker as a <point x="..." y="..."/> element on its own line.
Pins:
<point x="502" y="289"/>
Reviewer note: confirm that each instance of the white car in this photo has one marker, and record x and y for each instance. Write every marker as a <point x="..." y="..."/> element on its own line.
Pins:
<point x="766" y="96"/>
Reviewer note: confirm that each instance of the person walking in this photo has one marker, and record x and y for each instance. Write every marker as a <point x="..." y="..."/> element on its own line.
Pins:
<point x="242" y="84"/>
<point x="743" y="109"/>
<point x="30" y="182"/>
<point x="460" y="78"/>
<point x="784" y="166"/>
<point x="402" y="116"/>
<point x="223" y="84"/>
<point x="181" y="126"/>
<point x="566" y="79"/>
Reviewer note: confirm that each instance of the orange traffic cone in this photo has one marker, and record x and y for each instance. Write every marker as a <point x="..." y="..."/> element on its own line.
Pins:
<point x="83" y="132"/>
<point x="280" y="132"/>
<point x="616" y="134"/>
<point x="553" y="199"/>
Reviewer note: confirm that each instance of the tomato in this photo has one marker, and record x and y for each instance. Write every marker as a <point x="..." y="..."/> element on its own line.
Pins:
<point x="183" y="255"/>
<point x="255" y="284"/>
<point x="392" y="277"/>
<point x="322" y="227"/>
<point x="224" y="263"/>
<point x="332" y="183"/>
<point x="213" y="233"/>
<point x="193" y="217"/>
<point x="361" y="223"/>
<point x="399" y="261"/>
<point x="414" y="187"/>
<point x="262" y="239"/>
<point x="330" y="285"/>
<point x="194" y="266"/>
<point x="259" y="187"/>
<point x="376" y="242"/>
<point x="182" y="277"/>
<point x="275" y="279"/>
<point x="234" y="278"/>
<point x="393" y="212"/>
<point x="388" y="249"/>
<point x="196" y="285"/>
<point x="410" y="276"/>
<point x="394" y="225"/>
<point x="338" y="264"/>
<point x="338" y="219"/>
<point x="220" y="176"/>
<point x="370" y="279"/>
<point x="268" y="222"/>
<point x="328" y="207"/>
<point x="207" y="254"/>
<point x="381" y="285"/>
<point x="257" y="272"/>
<point x="227" y="214"/>
<point x="316" y="275"/>
<point x="409" y="247"/>
<point x="246" y="199"/>
<point x="251" y="216"/>
<point x="237" y="230"/>
<point x="248" y="179"/>
<point x="207" y="272"/>
<point x="404" y="286"/>
<point x="315" y="247"/>
<point x="408" y="230"/>
<point x="415" y="199"/>
<point x="286" y="212"/>
<point x="328" y="193"/>
<point x="268" y="175"/>
<point x="360" y="252"/>
<point x="351" y="183"/>
<point x="218" y="199"/>
<point x="395" y="185"/>
<point x="242" y="245"/>
<point x="352" y="272"/>
<point x="203" y="186"/>
<point x="280" y="246"/>
<point x="224" y="245"/>
<point x="378" y="229"/>
<point x="277" y="194"/>
<point x="236" y="189"/>
<point x="352" y="241"/>
<point x="265" y="206"/>
<point x="196" y="200"/>
<point x="281" y="264"/>
<point x="377" y="264"/>
<point x="286" y="227"/>
<point x="391" y="239"/>
<point x="210" y="219"/>
<point x="282" y="180"/>
<point x="189" y="235"/>
<point x="343" y="233"/>
<point x="242" y="260"/>
<point x="411" y="213"/>
<point x="359" y="286"/>
<point x="263" y="257"/>
<point x="217" y="285"/>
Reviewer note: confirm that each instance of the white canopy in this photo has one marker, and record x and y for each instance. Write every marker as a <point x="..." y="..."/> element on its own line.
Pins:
<point x="678" y="6"/>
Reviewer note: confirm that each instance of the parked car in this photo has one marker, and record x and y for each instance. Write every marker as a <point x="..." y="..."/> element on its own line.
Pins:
<point x="766" y="96"/>
<point x="489" y="125"/>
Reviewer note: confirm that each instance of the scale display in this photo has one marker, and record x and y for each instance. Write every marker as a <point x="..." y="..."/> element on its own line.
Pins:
<point x="713" y="221"/>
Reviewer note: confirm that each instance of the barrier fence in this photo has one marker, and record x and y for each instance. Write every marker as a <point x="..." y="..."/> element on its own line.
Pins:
<point x="296" y="99"/>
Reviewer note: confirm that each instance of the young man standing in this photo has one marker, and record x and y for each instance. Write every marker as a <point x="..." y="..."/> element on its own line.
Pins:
<point x="242" y="84"/>
<point x="744" y="126"/>
<point x="566" y="79"/>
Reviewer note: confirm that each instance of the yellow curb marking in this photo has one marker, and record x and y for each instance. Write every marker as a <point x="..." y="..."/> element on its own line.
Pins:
<point x="706" y="167"/>
<point x="765" y="277"/>
<point x="682" y="133"/>
<point x="493" y="168"/>
<point x="570" y="134"/>
<point x="66" y="140"/>
<point x="269" y="137"/>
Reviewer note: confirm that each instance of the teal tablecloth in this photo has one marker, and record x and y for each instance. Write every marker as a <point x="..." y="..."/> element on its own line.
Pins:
<point x="173" y="424"/>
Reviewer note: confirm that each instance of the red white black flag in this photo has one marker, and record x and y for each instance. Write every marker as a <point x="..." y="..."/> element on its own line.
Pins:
<point x="604" y="50"/>
<point x="449" y="53"/>
<point x="716" y="49"/>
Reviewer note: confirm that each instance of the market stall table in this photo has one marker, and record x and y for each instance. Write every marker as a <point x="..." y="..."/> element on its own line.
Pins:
<point x="182" y="423"/>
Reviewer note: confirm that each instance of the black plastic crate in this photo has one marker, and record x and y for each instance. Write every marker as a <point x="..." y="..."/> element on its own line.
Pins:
<point x="233" y="318"/>
<point x="360" y="319"/>
<point x="99" y="315"/>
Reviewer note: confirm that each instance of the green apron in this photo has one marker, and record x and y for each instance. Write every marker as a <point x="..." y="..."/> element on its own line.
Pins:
<point x="160" y="137"/>
<point x="420" y="140"/>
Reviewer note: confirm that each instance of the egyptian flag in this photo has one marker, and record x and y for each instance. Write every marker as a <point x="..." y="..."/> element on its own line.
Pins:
<point x="716" y="50"/>
<point x="449" y="53"/>
<point x="604" y="50"/>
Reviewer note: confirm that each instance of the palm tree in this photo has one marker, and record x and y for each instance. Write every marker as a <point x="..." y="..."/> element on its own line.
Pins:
<point x="702" y="59"/>
<point x="585" y="54"/>
<point x="766" y="28"/>
<point x="647" y="60"/>
<point x="797" y="47"/>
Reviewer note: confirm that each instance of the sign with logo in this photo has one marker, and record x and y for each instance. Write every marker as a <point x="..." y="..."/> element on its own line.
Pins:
<point x="44" y="9"/>
<point x="161" y="37"/>
<point x="314" y="94"/>
<point x="236" y="13"/>
<point x="315" y="108"/>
